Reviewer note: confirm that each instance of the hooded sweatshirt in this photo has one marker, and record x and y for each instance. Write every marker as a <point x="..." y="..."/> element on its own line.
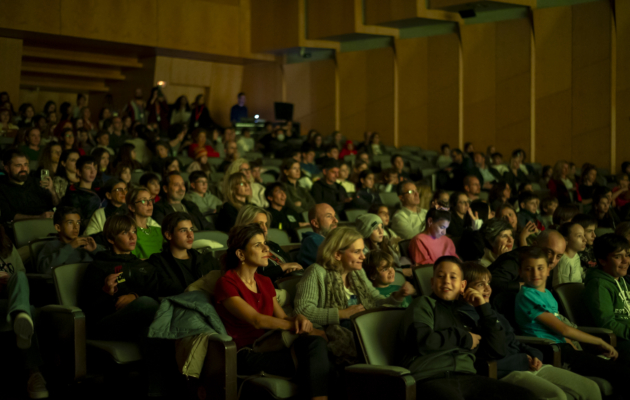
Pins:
<point x="608" y="301"/>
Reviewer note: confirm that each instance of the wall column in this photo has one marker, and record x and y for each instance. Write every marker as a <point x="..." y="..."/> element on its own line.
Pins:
<point x="10" y="66"/>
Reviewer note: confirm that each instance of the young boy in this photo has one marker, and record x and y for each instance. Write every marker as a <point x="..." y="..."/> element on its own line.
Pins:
<point x="569" y="269"/>
<point x="102" y="138"/>
<point x="606" y="294"/>
<point x="440" y="350"/>
<point x="82" y="196"/>
<point x="548" y="207"/>
<point x="603" y="208"/>
<point x="587" y="257"/>
<point x="206" y="201"/>
<point x="379" y="269"/>
<point x="523" y="365"/>
<point x="528" y="203"/>
<point x="68" y="248"/>
<point x="283" y="217"/>
<point x="537" y="315"/>
<point x="152" y="182"/>
<point x="115" y="191"/>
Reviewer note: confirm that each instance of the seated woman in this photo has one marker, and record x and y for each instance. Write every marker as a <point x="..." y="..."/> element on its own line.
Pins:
<point x="336" y="287"/>
<point x="149" y="240"/>
<point x="241" y="165"/>
<point x="525" y="234"/>
<point x="199" y="137"/>
<point x="498" y="239"/>
<point x="370" y="226"/>
<point x="246" y="302"/>
<point x="500" y="194"/>
<point x="560" y="186"/>
<point x="299" y="199"/>
<point x="104" y="172"/>
<point x="365" y="195"/>
<point x="238" y="195"/>
<point x="379" y="268"/>
<point x="588" y="184"/>
<point x="462" y="217"/>
<point x="66" y="172"/>
<point x="279" y="265"/>
<point x="515" y="175"/>
<point x="432" y="243"/>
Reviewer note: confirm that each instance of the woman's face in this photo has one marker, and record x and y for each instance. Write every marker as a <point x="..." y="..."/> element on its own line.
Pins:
<point x="125" y="175"/>
<point x="34" y="137"/>
<point x="344" y="172"/>
<point x="55" y="153"/>
<point x="507" y="192"/>
<point x="385" y="274"/>
<point x="104" y="161"/>
<point x="515" y="163"/>
<point x="107" y="113"/>
<point x="293" y="172"/>
<point x="438" y="229"/>
<point x="591" y="176"/>
<point x="383" y="212"/>
<point x="184" y="101"/>
<point x="29" y="112"/>
<point x="52" y="107"/>
<point x="71" y="162"/>
<point x="565" y="170"/>
<point x="143" y="210"/>
<point x="247" y="171"/>
<point x="173" y="166"/>
<point x="504" y="240"/>
<point x="507" y="214"/>
<point x="377" y="234"/>
<point x="257" y="252"/>
<point x="161" y="151"/>
<point x="127" y="123"/>
<point x="399" y="164"/>
<point x="201" y="139"/>
<point x="261" y="219"/>
<point x="368" y="181"/>
<point x="462" y="204"/>
<point x="4" y="116"/>
<point x="337" y="137"/>
<point x="243" y="189"/>
<point x="376" y="139"/>
<point x="352" y="258"/>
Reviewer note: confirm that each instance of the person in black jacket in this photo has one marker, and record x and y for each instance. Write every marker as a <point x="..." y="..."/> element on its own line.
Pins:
<point x="282" y="217"/>
<point x="365" y="196"/>
<point x="178" y="264"/>
<point x="327" y="190"/>
<point x="441" y="349"/>
<point x="175" y="190"/>
<point x="523" y="364"/>
<point x="84" y="196"/>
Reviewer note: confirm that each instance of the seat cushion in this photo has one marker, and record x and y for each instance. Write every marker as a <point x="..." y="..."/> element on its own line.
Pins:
<point x="121" y="352"/>
<point x="277" y="387"/>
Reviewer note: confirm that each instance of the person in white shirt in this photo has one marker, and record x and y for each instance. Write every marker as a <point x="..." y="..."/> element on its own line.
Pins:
<point x="569" y="267"/>
<point x="409" y="220"/>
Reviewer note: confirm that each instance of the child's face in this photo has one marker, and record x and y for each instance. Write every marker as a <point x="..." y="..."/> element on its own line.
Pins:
<point x="531" y="206"/>
<point x="385" y="274"/>
<point x="377" y="234"/>
<point x="154" y="187"/>
<point x="551" y="208"/>
<point x="576" y="240"/>
<point x="482" y="286"/>
<point x="603" y="205"/>
<point x="616" y="264"/>
<point x="438" y="229"/>
<point x="589" y="234"/>
<point x="69" y="228"/>
<point x="200" y="185"/>
<point x="528" y="188"/>
<point x="383" y="212"/>
<point x="447" y="282"/>
<point x="534" y="272"/>
<point x="125" y="175"/>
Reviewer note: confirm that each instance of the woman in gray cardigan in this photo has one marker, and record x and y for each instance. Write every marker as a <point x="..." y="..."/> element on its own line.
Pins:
<point x="336" y="287"/>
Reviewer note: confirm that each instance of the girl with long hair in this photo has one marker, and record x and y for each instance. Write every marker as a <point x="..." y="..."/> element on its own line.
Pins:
<point x="237" y="193"/>
<point x="50" y="158"/>
<point x="258" y="191"/>
<point x="66" y="172"/>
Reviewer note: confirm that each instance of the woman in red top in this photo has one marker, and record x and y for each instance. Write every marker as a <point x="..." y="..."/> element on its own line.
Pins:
<point x="246" y="302"/>
<point x="199" y="139"/>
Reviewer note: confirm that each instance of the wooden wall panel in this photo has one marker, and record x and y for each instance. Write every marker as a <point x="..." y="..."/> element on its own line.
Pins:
<point x="443" y="91"/>
<point x="262" y="83"/>
<point x="353" y="93"/>
<point x="38" y="98"/>
<point x="591" y="83"/>
<point x="329" y="18"/>
<point x="622" y="11"/>
<point x="413" y="76"/>
<point x="11" y="53"/>
<point x="274" y="25"/>
<point x="32" y="15"/>
<point x="311" y="89"/>
<point x="383" y="11"/>
<point x="123" y="91"/>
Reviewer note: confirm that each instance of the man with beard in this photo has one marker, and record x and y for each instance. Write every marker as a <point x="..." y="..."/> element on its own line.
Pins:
<point x="323" y="220"/>
<point x="175" y="190"/>
<point x="21" y="197"/>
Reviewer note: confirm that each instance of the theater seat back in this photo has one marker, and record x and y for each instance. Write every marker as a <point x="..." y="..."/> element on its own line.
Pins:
<point x="570" y="304"/>
<point x="377" y="331"/>
<point x="422" y="276"/>
<point x="68" y="279"/>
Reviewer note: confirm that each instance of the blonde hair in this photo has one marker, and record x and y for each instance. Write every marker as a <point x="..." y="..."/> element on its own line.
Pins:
<point x="248" y="212"/>
<point x="557" y="169"/>
<point x="233" y="180"/>
<point x="339" y="239"/>
<point x="426" y="195"/>
<point x="232" y="169"/>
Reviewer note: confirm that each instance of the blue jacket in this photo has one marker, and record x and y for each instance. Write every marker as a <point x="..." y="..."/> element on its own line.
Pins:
<point x="308" y="252"/>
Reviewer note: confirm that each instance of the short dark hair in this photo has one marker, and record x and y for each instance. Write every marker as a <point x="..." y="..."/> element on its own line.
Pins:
<point x="609" y="243"/>
<point x="240" y="94"/>
<point x="101" y="133"/>
<point x="329" y="163"/>
<point x="565" y="229"/>
<point x="148" y="177"/>
<point x="373" y="261"/>
<point x="271" y="187"/>
<point x="115" y="225"/>
<point x="109" y="185"/>
<point x="444" y="146"/>
<point x="329" y="147"/>
<point x="452" y="259"/>
<point x="437" y="215"/>
<point x="61" y="212"/>
<point x="192" y="178"/>
<point x="599" y="195"/>
<point x="496" y="154"/>
<point x="170" y="222"/>
<point x="83" y="160"/>
<point x="474" y="271"/>
<point x="530" y="252"/>
<point x="454" y="199"/>
<point x="565" y="213"/>
<point x="10" y="154"/>
<point x="165" y="182"/>
<point x="547" y="201"/>
<point x="456" y="151"/>
<point x="585" y="220"/>
<point x="526" y="196"/>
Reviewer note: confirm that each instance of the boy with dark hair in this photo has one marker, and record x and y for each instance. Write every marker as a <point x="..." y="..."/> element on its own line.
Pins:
<point x="152" y="182"/>
<point x="603" y="209"/>
<point x="178" y="264"/>
<point x="441" y="349"/>
<point x="308" y="161"/>
<point x="327" y="190"/>
<point x="69" y="247"/>
<point x="82" y="196"/>
<point x="331" y="151"/>
<point x="606" y="295"/>
<point x="548" y="207"/>
<point x="206" y="201"/>
<point x="102" y="138"/>
<point x="282" y="217"/>
<point x="537" y="315"/>
<point x="587" y="257"/>
<point x="528" y="203"/>
<point x="115" y="191"/>
<point x="523" y="365"/>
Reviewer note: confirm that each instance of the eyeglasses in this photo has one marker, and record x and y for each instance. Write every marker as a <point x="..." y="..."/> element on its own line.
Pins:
<point x="124" y="190"/>
<point x="145" y="202"/>
<point x="243" y="184"/>
<point x="411" y="192"/>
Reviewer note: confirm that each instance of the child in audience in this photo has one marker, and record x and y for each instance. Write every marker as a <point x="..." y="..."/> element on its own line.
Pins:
<point x="365" y="195"/>
<point x="587" y="256"/>
<point x="379" y="268"/>
<point x="565" y="213"/>
<point x="152" y="182"/>
<point x="371" y="228"/>
<point x="206" y="201"/>
<point x="390" y="181"/>
<point x="432" y="243"/>
<point x="537" y="315"/>
<point x="123" y="172"/>
<point x="439" y="347"/>
<point x="606" y="292"/>
<point x="548" y="207"/>
<point x="83" y="196"/>
<point x="621" y="194"/>
<point x="528" y="203"/>
<point x="569" y="269"/>
<point x="623" y="229"/>
<point x="115" y="191"/>
<point x="602" y="209"/>
<point x="523" y="365"/>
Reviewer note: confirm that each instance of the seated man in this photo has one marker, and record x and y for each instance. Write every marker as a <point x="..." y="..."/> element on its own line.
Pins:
<point x="178" y="264"/>
<point x="115" y="191"/>
<point x="22" y="197"/>
<point x="327" y="190"/>
<point x="331" y="151"/>
<point x="409" y="220"/>
<point x="506" y="281"/>
<point x="206" y="201"/>
<point x="68" y="247"/>
<point x="82" y="196"/>
<point x="472" y="187"/>
<point x="231" y="153"/>
<point x="441" y="349"/>
<point x="283" y="218"/>
<point x="323" y="220"/>
<point x="175" y="191"/>
<point x="489" y="175"/>
<point x="605" y="293"/>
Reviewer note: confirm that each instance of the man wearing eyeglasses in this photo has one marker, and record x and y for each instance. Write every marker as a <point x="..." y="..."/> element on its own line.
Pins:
<point x="115" y="191"/>
<point x="175" y="190"/>
<point x="68" y="247"/>
<point x="409" y="220"/>
<point x="81" y="195"/>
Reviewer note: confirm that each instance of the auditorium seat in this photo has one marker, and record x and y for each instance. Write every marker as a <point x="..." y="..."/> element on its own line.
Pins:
<point x="27" y="230"/>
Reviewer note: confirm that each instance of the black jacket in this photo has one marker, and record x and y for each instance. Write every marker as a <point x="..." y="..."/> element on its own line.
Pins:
<point x="226" y="217"/>
<point x="288" y="219"/>
<point x="138" y="277"/>
<point x="505" y="283"/>
<point x="334" y="195"/>
<point x="364" y="199"/>
<point x="172" y="280"/>
<point x="27" y="199"/>
<point x="163" y="208"/>
<point x="86" y="201"/>
<point x="515" y="352"/>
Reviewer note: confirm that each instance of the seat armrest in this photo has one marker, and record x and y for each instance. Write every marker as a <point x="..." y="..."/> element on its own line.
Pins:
<point x="218" y="337"/>
<point x="550" y="349"/>
<point x="218" y="378"/>
<point x="56" y="308"/>
<point x="390" y="370"/>
<point x="606" y="334"/>
<point x="34" y="276"/>
<point x="365" y="381"/>
<point x="486" y="368"/>
<point x="65" y="339"/>
<point x="532" y="340"/>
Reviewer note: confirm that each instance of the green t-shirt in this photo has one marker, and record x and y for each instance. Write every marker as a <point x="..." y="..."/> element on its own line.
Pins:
<point x="387" y="291"/>
<point x="149" y="242"/>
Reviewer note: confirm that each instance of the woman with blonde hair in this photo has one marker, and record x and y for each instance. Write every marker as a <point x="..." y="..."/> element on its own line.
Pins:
<point x="426" y="196"/>
<point x="560" y="186"/>
<point x="258" y="191"/>
<point x="237" y="193"/>
<point x="278" y="265"/>
<point x="336" y="287"/>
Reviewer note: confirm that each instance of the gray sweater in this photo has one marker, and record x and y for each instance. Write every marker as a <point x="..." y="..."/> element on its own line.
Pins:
<point x="56" y="253"/>
<point x="13" y="263"/>
<point x="311" y="296"/>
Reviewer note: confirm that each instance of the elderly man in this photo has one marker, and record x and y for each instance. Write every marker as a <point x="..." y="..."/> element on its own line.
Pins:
<point x="409" y="220"/>
<point x="175" y="190"/>
<point x="472" y="187"/>
<point x="323" y="220"/>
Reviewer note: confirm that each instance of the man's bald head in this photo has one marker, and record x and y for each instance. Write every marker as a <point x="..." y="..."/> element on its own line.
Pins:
<point x="322" y="218"/>
<point x="554" y="245"/>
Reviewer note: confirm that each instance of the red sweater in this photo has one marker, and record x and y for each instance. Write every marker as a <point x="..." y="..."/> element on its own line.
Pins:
<point x="423" y="249"/>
